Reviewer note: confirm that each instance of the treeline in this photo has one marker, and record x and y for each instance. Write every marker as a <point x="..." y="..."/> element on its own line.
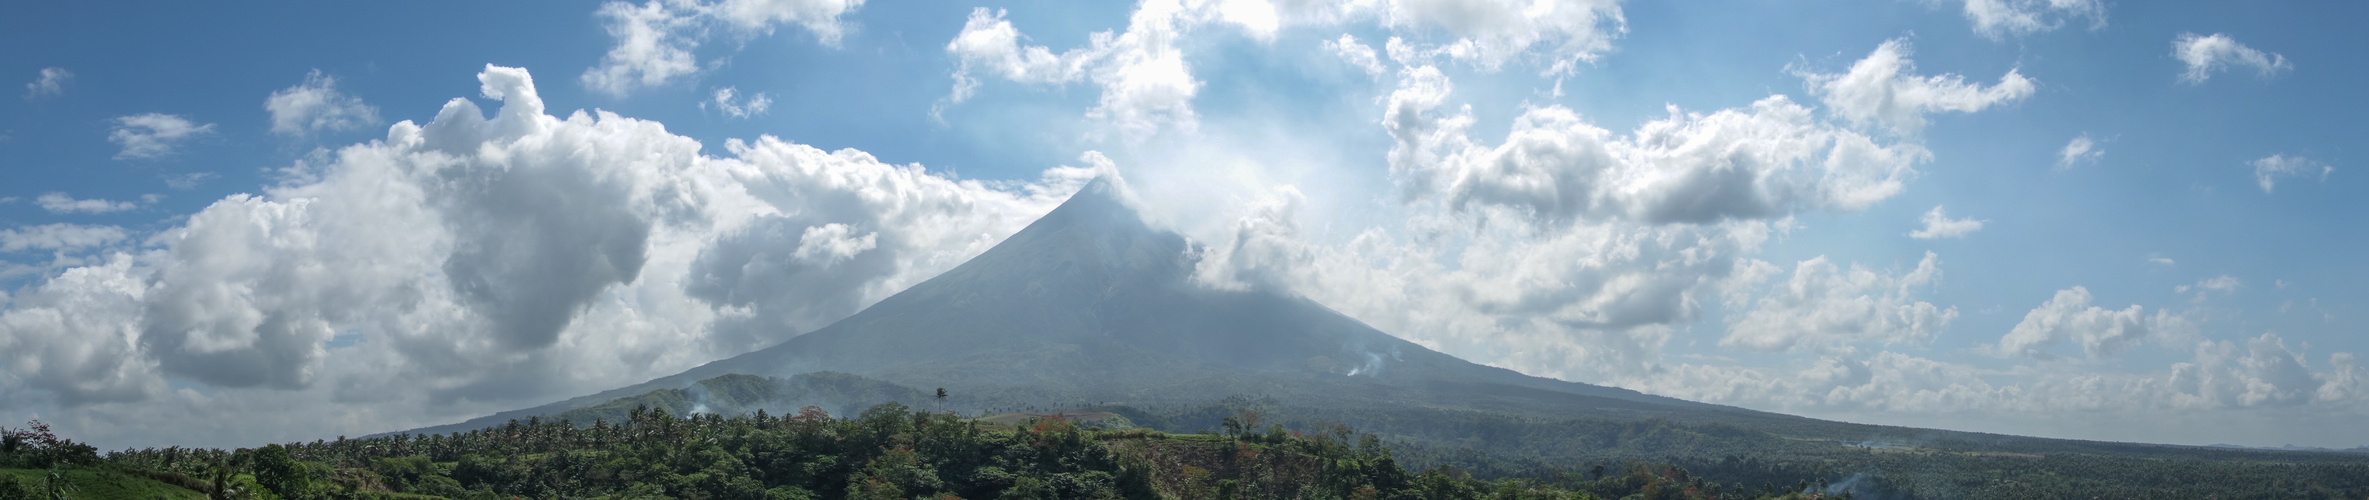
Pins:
<point x="1499" y="445"/>
<point x="892" y="451"/>
<point x="888" y="451"/>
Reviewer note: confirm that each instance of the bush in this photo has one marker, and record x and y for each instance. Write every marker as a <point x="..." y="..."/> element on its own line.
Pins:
<point x="14" y="488"/>
<point x="35" y="447"/>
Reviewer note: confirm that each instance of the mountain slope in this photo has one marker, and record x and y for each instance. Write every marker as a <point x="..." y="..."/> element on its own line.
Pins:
<point x="1090" y="304"/>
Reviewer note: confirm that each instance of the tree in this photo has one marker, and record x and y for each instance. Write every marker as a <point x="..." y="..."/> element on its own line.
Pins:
<point x="276" y="471"/>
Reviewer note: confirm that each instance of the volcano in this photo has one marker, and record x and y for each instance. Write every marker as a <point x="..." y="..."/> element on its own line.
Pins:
<point x="1091" y="305"/>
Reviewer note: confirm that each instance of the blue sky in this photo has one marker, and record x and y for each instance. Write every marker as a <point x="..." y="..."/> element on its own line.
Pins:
<point x="2137" y="220"/>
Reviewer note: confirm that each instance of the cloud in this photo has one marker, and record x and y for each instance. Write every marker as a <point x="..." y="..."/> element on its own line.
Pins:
<point x="2101" y="332"/>
<point x="59" y="236"/>
<point x="2349" y="382"/>
<point x="1148" y="86"/>
<point x="833" y="243"/>
<point x="650" y="50"/>
<point x="1881" y="89"/>
<point x="52" y="83"/>
<point x="2263" y="373"/>
<point x="1356" y="54"/>
<point x="1884" y="382"/>
<point x="2268" y="169"/>
<point x="67" y="339"/>
<point x="2224" y="283"/>
<point x="820" y="17"/>
<point x="1265" y="248"/>
<point x="741" y="108"/>
<point x="1571" y="251"/>
<point x="2160" y="260"/>
<point x="1767" y="161"/>
<point x="1489" y="33"/>
<point x="188" y="181"/>
<point x="1939" y="225"/>
<point x="1824" y="307"/>
<point x="315" y="106"/>
<point x="988" y="43"/>
<point x="477" y="262"/>
<point x="2079" y="151"/>
<point x="655" y="39"/>
<point x="60" y="203"/>
<point x="2205" y="55"/>
<point x="2259" y="372"/>
<point x="153" y="135"/>
<point x="2000" y="18"/>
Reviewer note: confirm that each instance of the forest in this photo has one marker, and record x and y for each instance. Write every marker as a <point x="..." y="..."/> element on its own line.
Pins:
<point x="887" y="451"/>
<point x="720" y="439"/>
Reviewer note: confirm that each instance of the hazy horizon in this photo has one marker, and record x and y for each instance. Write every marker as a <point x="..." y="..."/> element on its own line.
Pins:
<point x="2076" y="219"/>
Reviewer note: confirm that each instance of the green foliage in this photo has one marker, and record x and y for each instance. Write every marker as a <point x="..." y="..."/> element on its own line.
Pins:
<point x="35" y="447"/>
<point x="888" y="451"/>
<point x="102" y="482"/>
<point x="14" y="488"/>
<point x="281" y="475"/>
<point x="893" y="451"/>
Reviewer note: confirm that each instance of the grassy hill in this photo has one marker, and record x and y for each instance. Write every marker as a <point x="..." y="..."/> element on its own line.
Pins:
<point x="94" y="483"/>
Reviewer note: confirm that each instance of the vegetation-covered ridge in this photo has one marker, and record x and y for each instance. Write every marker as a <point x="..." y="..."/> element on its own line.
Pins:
<point x="888" y="451"/>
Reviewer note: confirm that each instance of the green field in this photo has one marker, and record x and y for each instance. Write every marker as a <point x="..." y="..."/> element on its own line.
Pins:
<point x="100" y="483"/>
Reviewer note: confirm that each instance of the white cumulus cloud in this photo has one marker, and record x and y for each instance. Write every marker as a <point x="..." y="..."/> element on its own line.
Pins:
<point x="2207" y="54"/>
<point x="833" y="243"/>
<point x="1766" y="161"/>
<point x="61" y="203"/>
<point x="1939" y="225"/>
<point x="481" y="262"/>
<point x="51" y="83"/>
<point x="2099" y="331"/>
<point x="2261" y="373"/>
<point x="728" y="101"/>
<point x="59" y="236"/>
<point x="2269" y="169"/>
<point x="2225" y="284"/>
<point x="1824" y="306"/>
<point x="1571" y="251"/>
<point x="655" y="40"/>
<point x="1882" y="89"/>
<point x="153" y="135"/>
<point x="68" y="339"/>
<point x="1356" y="54"/>
<point x="315" y="106"/>
<point x="2257" y="372"/>
<point x="1148" y="86"/>
<point x="2080" y="150"/>
<point x="2000" y="18"/>
<point x="1489" y="33"/>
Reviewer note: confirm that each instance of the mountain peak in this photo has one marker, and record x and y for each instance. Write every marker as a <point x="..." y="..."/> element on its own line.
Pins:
<point x="1102" y="205"/>
<point x="1099" y="232"/>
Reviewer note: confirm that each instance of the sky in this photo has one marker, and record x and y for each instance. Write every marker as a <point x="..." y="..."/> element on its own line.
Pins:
<point x="225" y="225"/>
